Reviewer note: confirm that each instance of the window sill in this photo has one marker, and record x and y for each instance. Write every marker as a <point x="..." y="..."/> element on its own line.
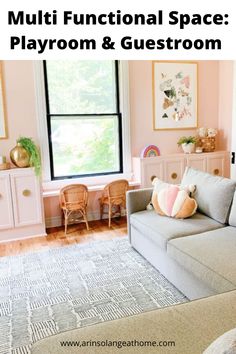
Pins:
<point x="55" y="192"/>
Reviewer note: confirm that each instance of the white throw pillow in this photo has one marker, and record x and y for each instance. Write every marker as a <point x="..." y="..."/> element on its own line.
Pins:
<point x="225" y="344"/>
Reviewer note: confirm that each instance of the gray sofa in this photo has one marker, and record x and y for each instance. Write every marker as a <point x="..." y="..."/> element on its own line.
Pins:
<point x="198" y="254"/>
<point x="182" y="324"/>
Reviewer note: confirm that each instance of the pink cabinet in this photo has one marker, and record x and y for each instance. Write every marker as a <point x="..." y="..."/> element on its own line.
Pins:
<point x="197" y="161"/>
<point x="26" y="199"/>
<point x="216" y="165"/>
<point x="170" y="168"/>
<point x="6" y="212"/>
<point x="21" y="208"/>
<point x="174" y="169"/>
<point x="145" y="169"/>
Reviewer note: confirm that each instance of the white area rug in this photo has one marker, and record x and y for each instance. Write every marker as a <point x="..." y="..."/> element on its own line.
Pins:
<point x="51" y="291"/>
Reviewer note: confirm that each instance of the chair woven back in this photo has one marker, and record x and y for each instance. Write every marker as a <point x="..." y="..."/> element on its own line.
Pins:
<point x="73" y="196"/>
<point x="117" y="189"/>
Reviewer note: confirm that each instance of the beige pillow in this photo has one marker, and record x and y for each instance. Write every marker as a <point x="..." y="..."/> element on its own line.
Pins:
<point x="225" y="344"/>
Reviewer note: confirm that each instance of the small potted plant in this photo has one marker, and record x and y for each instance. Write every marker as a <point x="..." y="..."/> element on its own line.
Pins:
<point x="188" y="144"/>
<point x="26" y="154"/>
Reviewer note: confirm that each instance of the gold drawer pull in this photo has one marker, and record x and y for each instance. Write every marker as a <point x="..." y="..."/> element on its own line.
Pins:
<point x="216" y="171"/>
<point x="174" y="175"/>
<point x="26" y="192"/>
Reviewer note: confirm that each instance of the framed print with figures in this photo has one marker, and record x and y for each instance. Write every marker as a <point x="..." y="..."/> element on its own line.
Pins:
<point x="174" y="95"/>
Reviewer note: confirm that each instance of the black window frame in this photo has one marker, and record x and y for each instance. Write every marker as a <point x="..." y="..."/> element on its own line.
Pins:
<point x="117" y="114"/>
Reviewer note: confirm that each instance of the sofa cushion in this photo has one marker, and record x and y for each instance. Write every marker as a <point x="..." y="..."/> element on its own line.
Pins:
<point x="192" y="326"/>
<point x="210" y="256"/>
<point x="160" y="229"/>
<point x="232" y="215"/>
<point x="213" y="194"/>
<point x="225" y="344"/>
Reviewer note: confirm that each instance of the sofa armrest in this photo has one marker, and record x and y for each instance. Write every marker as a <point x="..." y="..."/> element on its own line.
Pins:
<point x="137" y="200"/>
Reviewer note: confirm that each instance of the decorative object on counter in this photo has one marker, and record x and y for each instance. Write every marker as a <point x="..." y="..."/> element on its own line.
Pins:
<point x="208" y="141"/>
<point x="19" y="156"/>
<point x="3" y="123"/>
<point x="174" y="95"/>
<point x="150" y="151"/>
<point x="198" y="150"/>
<point x="2" y="159"/>
<point x="212" y="132"/>
<point x="188" y="144"/>
<point x="26" y="154"/>
<point x="5" y="166"/>
<point x="208" y="144"/>
<point x="202" y="132"/>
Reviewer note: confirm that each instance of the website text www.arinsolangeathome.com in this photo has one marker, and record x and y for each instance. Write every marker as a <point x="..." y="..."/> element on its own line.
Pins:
<point x="119" y="344"/>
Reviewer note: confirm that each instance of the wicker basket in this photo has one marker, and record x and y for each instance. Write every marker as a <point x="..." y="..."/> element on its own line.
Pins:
<point x="207" y="144"/>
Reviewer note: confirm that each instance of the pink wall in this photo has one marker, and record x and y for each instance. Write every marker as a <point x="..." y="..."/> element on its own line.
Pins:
<point x="142" y="132"/>
<point x="215" y="101"/>
<point x="20" y="102"/>
<point x="225" y="103"/>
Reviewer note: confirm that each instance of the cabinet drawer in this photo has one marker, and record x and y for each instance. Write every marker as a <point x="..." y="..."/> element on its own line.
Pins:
<point x="174" y="170"/>
<point x="6" y="215"/>
<point x="151" y="169"/>
<point x="26" y="199"/>
<point x="216" y="165"/>
<point x="197" y="161"/>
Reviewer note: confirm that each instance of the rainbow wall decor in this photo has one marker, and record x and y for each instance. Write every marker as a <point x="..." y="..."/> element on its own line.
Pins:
<point x="150" y="151"/>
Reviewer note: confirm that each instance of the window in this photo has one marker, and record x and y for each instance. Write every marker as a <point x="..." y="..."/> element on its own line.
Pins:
<point x="83" y="118"/>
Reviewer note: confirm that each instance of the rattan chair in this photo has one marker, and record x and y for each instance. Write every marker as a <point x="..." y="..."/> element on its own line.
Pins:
<point x="74" y="200"/>
<point x="114" y="197"/>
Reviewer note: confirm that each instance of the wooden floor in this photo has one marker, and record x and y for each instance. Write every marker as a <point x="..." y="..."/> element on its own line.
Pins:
<point x="76" y="234"/>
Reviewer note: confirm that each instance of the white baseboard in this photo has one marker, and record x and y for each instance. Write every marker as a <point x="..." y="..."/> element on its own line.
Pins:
<point x="56" y="221"/>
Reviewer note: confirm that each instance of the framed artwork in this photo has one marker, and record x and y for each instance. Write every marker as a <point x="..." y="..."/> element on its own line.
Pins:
<point x="174" y="95"/>
<point x="3" y="125"/>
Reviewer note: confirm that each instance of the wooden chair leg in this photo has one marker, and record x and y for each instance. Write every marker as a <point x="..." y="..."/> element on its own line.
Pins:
<point x="109" y="215"/>
<point x="101" y="211"/>
<point x="62" y="217"/>
<point x="66" y="221"/>
<point x="86" y="220"/>
<point x="120" y="210"/>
